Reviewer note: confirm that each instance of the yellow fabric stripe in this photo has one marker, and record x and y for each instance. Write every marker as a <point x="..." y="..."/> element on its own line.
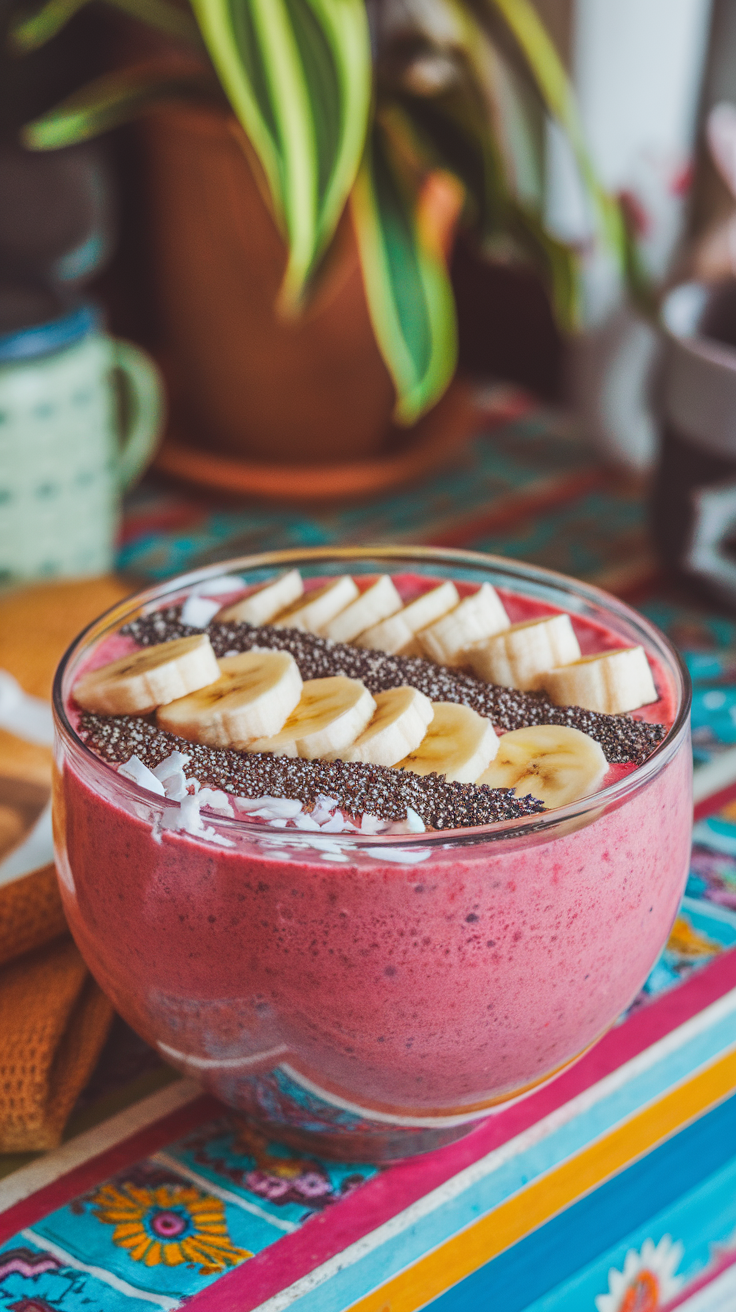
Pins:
<point x="543" y="1199"/>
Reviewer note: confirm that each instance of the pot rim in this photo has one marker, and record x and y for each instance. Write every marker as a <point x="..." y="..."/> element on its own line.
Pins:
<point x="680" y="314"/>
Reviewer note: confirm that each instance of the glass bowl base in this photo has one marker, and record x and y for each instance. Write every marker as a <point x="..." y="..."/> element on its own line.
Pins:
<point x="301" y="1119"/>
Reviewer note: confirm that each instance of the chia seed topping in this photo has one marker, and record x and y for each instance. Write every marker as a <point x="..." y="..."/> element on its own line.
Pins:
<point x="356" y="788"/>
<point x="623" y="739"/>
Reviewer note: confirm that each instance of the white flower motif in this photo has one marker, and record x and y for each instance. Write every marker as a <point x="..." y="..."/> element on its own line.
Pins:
<point x="648" y="1280"/>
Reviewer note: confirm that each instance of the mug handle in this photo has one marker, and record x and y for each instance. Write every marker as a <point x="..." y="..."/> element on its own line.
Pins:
<point x="146" y="407"/>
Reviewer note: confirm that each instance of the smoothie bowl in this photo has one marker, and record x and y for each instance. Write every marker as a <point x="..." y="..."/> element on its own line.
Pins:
<point x="371" y="841"/>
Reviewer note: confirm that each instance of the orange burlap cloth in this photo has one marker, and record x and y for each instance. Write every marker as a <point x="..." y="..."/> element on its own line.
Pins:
<point x="53" y="1017"/>
<point x="53" y="1021"/>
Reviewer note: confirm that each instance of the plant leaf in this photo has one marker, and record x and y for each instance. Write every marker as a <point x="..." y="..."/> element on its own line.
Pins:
<point x="556" y="263"/>
<point x="298" y="76"/>
<point x="407" y="285"/>
<point x="29" y="30"/>
<point x="553" y="84"/>
<point x="513" y="117"/>
<point x="454" y="130"/>
<point x="456" y="136"/>
<point x="113" y="99"/>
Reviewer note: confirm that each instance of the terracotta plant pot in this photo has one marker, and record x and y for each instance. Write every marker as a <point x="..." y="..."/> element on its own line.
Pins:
<point x="244" y="381"/>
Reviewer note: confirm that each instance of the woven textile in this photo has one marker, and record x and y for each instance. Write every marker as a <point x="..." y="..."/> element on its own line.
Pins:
<point x="30" y="913"/>
<point x="53" y="1022"/>
<point x="53" y="1018"/>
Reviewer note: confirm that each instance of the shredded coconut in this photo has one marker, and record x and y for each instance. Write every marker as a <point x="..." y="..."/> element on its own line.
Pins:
<point x="359" y="788"/>
<point x="198" y="611"/>
<point x="173" y="763"/>
<point x="171" y="774"/>
<point x="169" y="780"/>
<point x="305" y="821"/>
<point x="280" y="808"/>
<point x="140" y="774"/>
<point x="215" y="800"/>
<point x="373" y="824"/>
<point x="187" y="819"/>
<point x="407" y="856"/>
<point x="216" y="587"/>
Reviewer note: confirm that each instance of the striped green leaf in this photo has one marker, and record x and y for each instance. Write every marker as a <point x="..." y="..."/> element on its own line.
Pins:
<point x="453" y="129"/>
<point x="512" y="121"/>
<point x="553" y="84"/>
<point x="556" y="264"/>
<point x="407" y="285"/>
<point x="111" y="100"/>
<point x="298" y="75"/>
<point x="456" y="137"/>
<point x="30" y="29"/>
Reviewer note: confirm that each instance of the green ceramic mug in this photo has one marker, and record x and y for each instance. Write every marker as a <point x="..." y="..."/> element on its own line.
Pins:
<point x="80" y="415"/>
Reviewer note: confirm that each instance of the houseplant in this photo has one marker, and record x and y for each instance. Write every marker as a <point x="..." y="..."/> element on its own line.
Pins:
<point x="353" y="136"/>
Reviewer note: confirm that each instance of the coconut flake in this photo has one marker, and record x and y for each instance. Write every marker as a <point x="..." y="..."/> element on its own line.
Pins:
<point x="372" y="824"/>
<point x="175" y="786"/>
<point x="413" y="824"/>
<point x="215" y="587"/>
<point x="140" y="774"/>
<point x="414" y="821"/>
<point x="188" y="820"/>
<point x="252" y="804"/>
<point x="337" y="824"/>
<point x="282" y="807"/>
<point x="407" y="856"/>
<point x="175" y="761"/>
<point x="215" y="800"/>
<point x="328" y="848"/>
<point x="305" y="821"/>
<point x="171" y="774"/>
<point x="198" y="611"/>
<point x="323" y="809"/>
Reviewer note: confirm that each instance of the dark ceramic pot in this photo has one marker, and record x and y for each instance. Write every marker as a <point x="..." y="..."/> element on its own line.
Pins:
<point x="694" y="501"/>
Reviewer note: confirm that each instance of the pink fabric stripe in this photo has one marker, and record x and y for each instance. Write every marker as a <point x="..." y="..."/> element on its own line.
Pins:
<point x="690" y="1290"/>
<point x="327" y="1234"/>
<point x="710" y="805"/>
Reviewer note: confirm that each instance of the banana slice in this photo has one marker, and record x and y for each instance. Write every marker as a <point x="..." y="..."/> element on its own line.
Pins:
<point x="397" y="728"/>
<point x="254" y="695"/>
<point x="551" y="761"/>
<point x="266" y="602"/>
<point x="459" y="744"/>
<point x="313" y="611"/>
<point x="137" y="684"/>
<point x="517" y="657"/>
<point x="397" y="634"/>
<point x="612" y="681"/>
<point x="329" y="717"/>
<point x="375" y="604"/>
<point x="478" y="617"/>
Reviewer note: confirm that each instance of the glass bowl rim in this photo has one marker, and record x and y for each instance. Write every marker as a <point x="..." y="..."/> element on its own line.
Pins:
<point x="532" y="826"/>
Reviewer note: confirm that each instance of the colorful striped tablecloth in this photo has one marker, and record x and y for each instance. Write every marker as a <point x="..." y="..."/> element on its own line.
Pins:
<point x="612" y="1189"/>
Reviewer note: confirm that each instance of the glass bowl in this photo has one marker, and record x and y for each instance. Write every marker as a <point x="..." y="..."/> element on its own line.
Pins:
<point x="371" y="997"/>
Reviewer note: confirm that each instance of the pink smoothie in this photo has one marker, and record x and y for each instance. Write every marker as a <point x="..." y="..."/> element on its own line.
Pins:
<point x="426" y="990"/>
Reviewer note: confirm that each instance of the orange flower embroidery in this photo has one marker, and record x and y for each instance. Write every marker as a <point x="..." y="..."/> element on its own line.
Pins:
<point x="169" y="1224"/>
